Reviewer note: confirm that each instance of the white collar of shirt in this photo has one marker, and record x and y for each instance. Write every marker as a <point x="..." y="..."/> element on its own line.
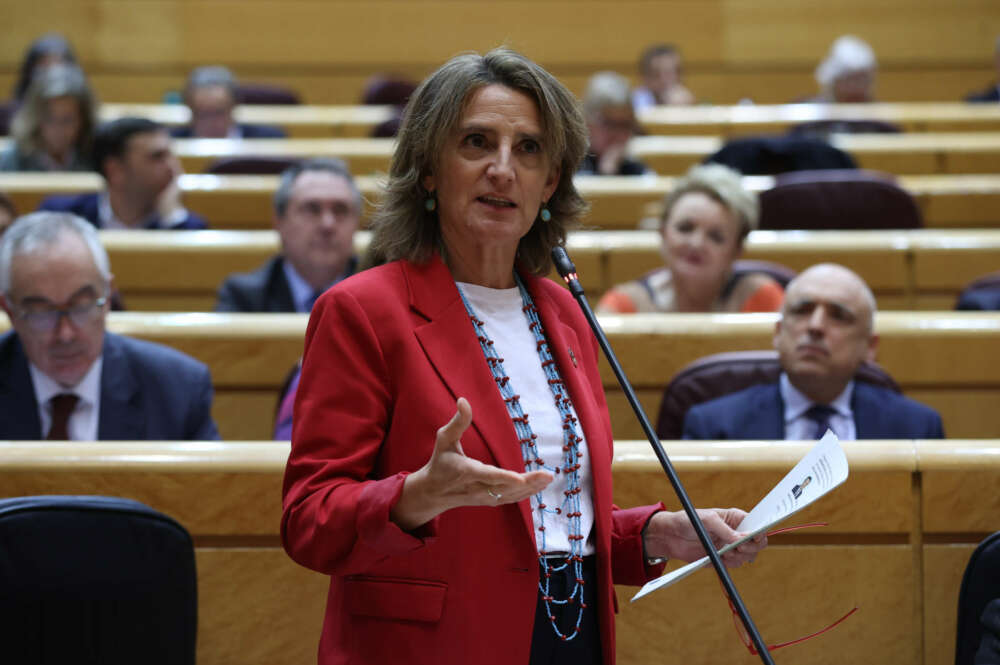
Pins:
<point x="796" y="405"/>
<point x="83" y="422"/>
<point x="108" y="220"/>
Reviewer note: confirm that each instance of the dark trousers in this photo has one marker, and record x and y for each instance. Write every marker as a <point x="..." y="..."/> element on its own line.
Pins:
<point x="547" y="648"/>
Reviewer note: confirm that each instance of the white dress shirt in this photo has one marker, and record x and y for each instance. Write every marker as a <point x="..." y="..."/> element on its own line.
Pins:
<point x="108" y="220"/>
<point x="798" y="427"/>
<point x="82" y="425"/>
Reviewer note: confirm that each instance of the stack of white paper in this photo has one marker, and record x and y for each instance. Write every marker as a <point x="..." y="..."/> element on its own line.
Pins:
<point x="822" y="469"/>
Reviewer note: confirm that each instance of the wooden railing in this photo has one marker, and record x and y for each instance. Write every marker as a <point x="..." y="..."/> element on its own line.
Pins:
<point x="944" y="359"/>
<point x="899" y="534"/>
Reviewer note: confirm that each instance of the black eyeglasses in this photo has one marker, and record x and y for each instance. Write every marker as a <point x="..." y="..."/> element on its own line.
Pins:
<point x="45" y="319"/>
<point x="741" y="629"/>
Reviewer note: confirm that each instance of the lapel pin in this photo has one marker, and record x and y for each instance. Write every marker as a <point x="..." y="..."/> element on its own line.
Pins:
<point x="572" y="356"/>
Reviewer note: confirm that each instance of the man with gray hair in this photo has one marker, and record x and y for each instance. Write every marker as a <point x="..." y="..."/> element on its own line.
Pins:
<point x="212" y="93"/>
<point x="62" y="376"/>
<point x="826" y="331"/>
<point x="317" y="209"/>
<point x="607" y="105"/>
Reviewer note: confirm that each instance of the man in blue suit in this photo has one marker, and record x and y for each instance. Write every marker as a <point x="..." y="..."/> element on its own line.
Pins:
<point x="825" y="332"/>
<point x="140" y="172"/>
<point x="62" y="376"/>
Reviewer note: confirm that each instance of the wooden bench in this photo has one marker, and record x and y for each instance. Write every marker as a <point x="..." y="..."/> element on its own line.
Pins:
<point x="909" y="154"/>
<point x="944" y="359"/>
<point x="734" y="50"/>
<point x="900" y="532"/>
<point x="907" y="270"/>
<point x="318" y="121"/>
<point x="244" y="202"/>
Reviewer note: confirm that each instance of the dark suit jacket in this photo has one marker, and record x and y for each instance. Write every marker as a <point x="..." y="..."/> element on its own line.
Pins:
<point x="248" y="131"/>
<point x="989" y="646"/>
<point x="991" y="94"/>
<point x="148" y="392"/>
<point x="387" y="353"/>
<point x="758" y="413"/>
<point x="263" y="290"/>
<point x="980" y="299"/>
<point x="86" y="206"/>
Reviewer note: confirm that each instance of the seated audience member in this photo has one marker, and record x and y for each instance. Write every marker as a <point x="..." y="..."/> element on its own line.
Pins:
<point x="140" y="173"/>
<point x="660" y="68"/>
<point x="992" y="93"/>
<point x="847" y="75"/>
<point x="53" y="129"/>
<point x="611" y="123"/>
<point x="317" y="209"/>
<point x="8" y="212"/>
<point x="705" y="221"/>
<point x="211" y="93"/>
<point x="825" y="332"/>
<point x="61" y="375"/>
<point x="47" y="50"/>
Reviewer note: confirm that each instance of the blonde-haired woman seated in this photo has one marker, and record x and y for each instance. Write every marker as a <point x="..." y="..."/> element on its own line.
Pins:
<point x="705" y="220"/>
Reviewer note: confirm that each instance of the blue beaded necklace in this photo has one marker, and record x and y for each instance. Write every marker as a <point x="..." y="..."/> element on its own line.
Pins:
<point x="569" y="464"/>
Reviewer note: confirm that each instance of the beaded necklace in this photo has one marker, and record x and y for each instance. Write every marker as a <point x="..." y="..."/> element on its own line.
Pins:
<point x="569" y="464"/>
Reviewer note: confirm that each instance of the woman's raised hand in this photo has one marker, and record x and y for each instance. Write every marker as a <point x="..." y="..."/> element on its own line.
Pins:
<point x="450" y="479"/>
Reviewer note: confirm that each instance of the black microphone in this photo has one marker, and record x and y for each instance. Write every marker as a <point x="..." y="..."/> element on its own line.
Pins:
<point x="567" y="271"/>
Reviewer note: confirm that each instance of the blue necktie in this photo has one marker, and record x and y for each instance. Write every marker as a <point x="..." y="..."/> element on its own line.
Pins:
<point x="820" y="414"/>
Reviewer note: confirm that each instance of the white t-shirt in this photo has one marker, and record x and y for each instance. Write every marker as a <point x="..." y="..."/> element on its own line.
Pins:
<point x="505" y="323"/>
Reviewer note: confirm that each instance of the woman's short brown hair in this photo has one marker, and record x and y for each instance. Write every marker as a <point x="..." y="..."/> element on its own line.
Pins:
<point x="403" y="229"/>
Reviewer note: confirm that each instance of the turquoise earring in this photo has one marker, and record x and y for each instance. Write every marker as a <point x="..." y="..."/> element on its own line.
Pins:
<point x="544" y="213"/>
<point x="430" y="203"/>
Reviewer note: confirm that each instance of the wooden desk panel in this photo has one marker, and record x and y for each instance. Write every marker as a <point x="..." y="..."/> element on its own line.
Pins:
<point x="944" y="357"/>
<point x="244" y="202"/>
<point x="748" y="120"/>
<point x="254" y="601"/>
<point x="909" y="154"/>
<point x="354" y="121"/>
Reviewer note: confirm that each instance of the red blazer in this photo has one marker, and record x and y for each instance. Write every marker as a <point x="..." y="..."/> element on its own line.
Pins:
<point x="387" y="353"/>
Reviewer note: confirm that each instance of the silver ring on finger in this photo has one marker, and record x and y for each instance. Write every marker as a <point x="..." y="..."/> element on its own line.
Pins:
<point x="496" y="495"/>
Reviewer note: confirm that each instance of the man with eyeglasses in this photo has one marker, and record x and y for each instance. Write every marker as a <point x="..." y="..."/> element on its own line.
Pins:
<point x="62" y="377"/>
<point x="826" y="332"/>
<point x="317" y="209"/>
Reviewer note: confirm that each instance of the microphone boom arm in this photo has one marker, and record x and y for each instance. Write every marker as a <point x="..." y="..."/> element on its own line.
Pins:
<point x="567" y="271"/>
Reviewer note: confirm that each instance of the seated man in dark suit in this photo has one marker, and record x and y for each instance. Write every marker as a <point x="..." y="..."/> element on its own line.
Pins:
<point x="140" y="172"/>
<point x="825" y="332"/>
<point x="62" y="376"/>
<point x="992" y="93"/>
<point x="317" y="209"/>
<point x="211" y="94"/>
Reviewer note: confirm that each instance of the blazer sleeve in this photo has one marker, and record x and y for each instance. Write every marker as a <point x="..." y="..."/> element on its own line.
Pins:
<point x="201" y="426"/>
<point x="336" y="514"/>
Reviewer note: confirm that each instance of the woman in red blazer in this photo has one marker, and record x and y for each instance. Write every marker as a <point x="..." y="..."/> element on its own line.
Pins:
<point x="461" y="500"/>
